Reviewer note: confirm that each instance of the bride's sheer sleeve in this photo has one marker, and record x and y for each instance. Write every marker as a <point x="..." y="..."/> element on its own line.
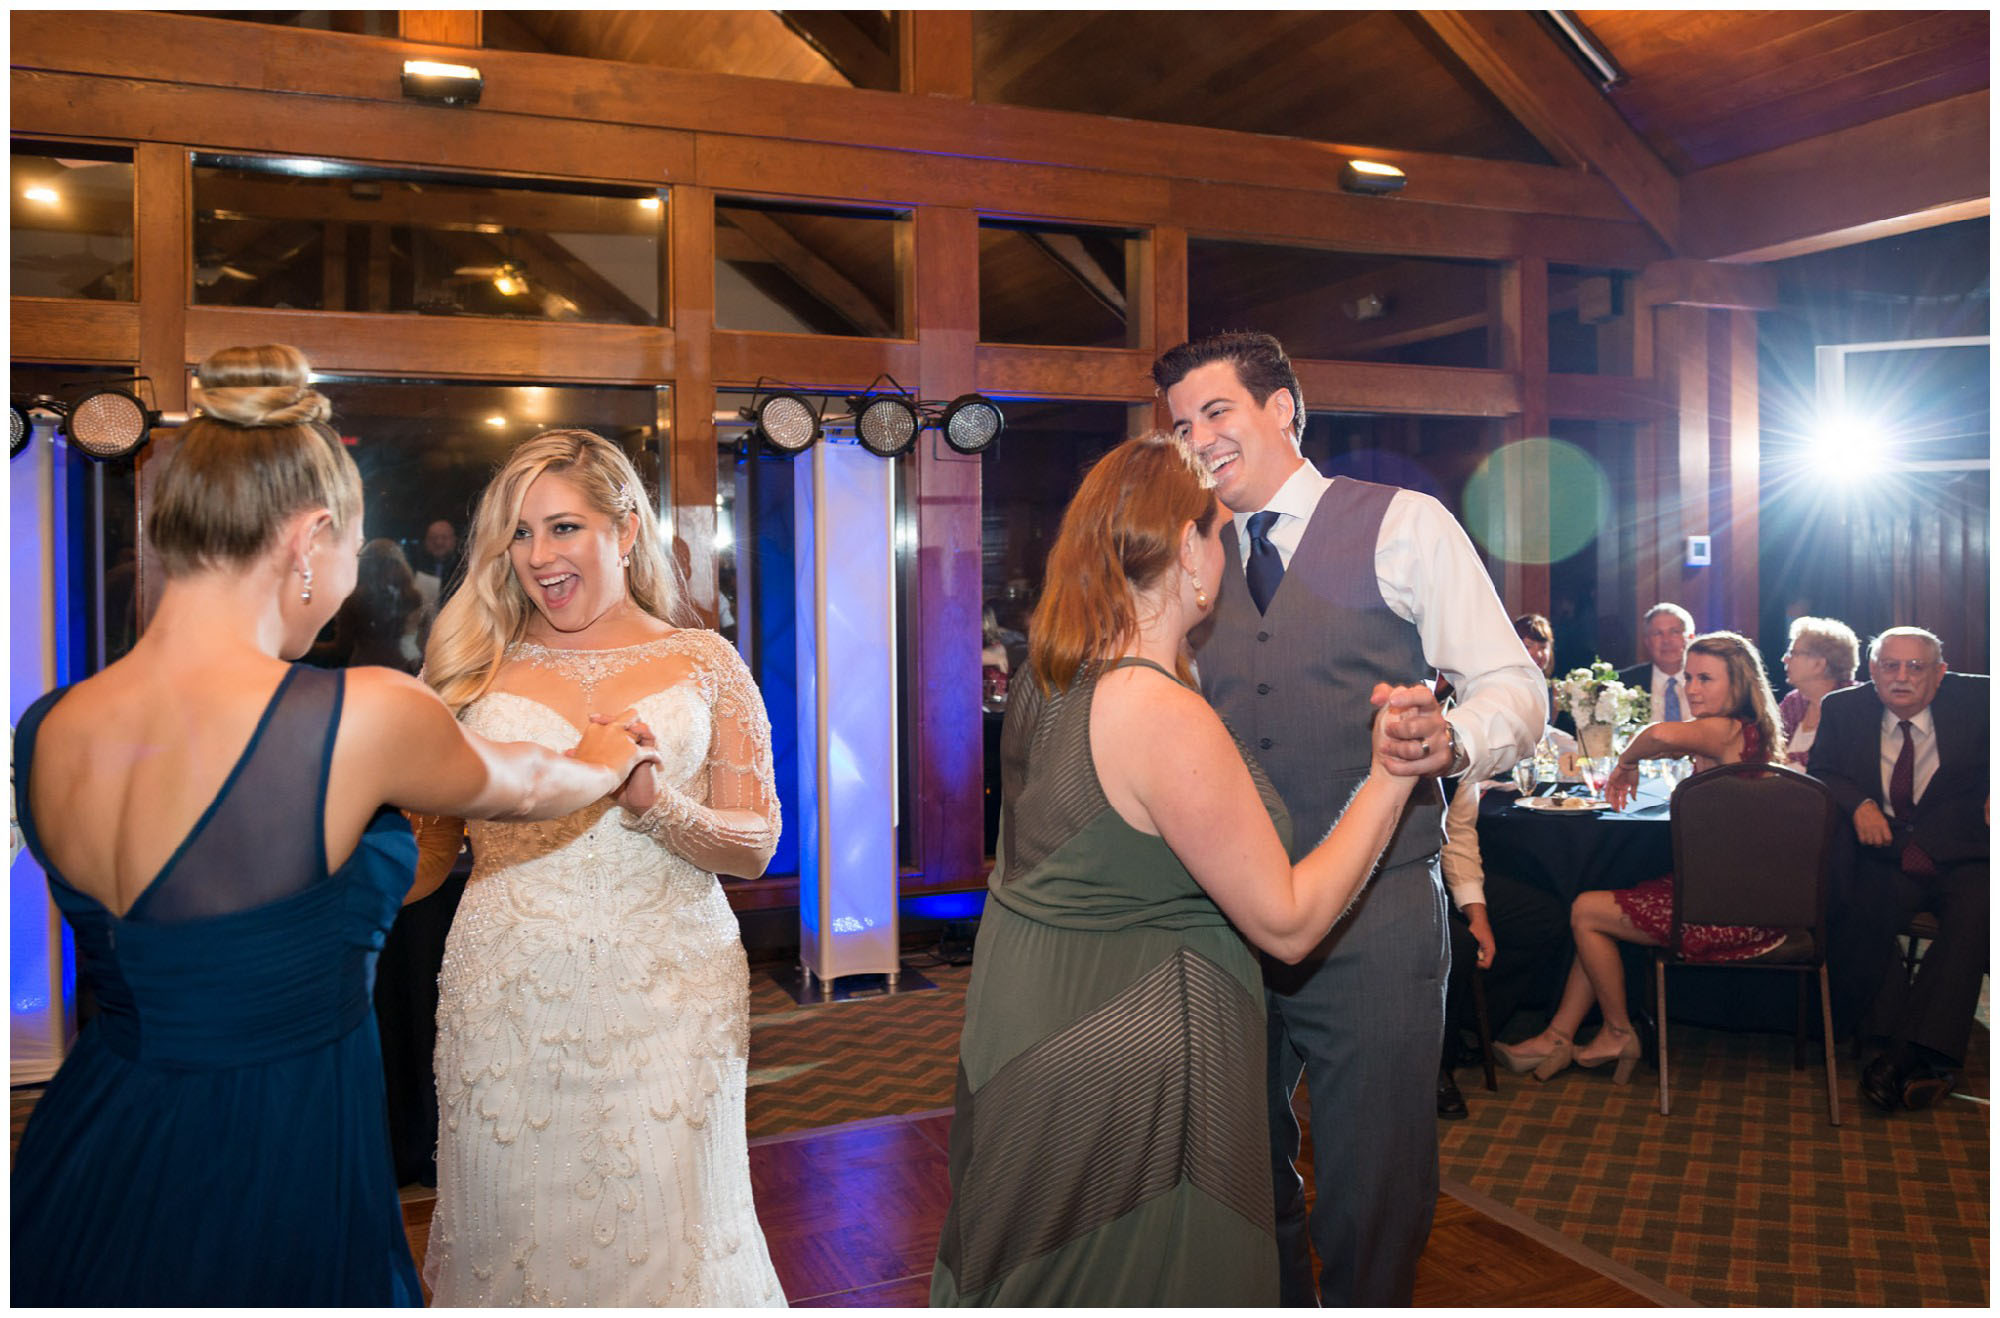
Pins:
<point x="728" y="820"/>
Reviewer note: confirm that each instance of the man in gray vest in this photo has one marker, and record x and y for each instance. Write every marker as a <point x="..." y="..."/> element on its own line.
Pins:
<point x="1346" y="584"/>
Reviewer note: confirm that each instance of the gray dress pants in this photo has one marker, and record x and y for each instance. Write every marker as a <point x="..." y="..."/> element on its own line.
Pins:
<point x="1361" y="1018"/>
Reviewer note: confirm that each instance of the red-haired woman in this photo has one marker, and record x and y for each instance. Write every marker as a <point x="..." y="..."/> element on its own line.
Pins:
<point x="1109" y="1146"/>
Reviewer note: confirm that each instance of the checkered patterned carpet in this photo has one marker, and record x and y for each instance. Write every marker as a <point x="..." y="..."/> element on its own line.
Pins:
<point x="1745" y="1194"/>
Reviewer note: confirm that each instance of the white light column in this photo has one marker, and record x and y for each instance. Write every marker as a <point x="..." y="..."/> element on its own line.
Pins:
<point x="846" y="562"/>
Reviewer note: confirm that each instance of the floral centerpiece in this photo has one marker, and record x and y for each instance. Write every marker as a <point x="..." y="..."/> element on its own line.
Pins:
<point x="1601" y="705"/>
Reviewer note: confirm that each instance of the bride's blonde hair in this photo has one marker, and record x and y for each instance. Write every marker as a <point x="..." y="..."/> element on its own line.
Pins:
<point x="490" y="611"/>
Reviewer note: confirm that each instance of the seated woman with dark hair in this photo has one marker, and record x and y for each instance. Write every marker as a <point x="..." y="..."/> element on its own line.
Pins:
<point x="1735" y="722"/>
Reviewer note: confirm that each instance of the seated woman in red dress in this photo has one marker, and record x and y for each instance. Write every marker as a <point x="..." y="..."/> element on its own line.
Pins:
<point x="1736" y="720"/>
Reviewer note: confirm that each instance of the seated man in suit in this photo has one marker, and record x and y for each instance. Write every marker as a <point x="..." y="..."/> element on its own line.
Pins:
<point x="1906" y="756"/>
<point x="1668" y="627"/>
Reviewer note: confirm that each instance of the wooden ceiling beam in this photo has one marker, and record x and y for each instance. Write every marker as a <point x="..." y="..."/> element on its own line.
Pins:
<point x="1907" y="171"/>
<point x="1069" y="255"/>
<point x="841" y="42"/>
<point x="1519" y="63"/>
<point x="354" y="72"/>
<point x="445" y="27"/>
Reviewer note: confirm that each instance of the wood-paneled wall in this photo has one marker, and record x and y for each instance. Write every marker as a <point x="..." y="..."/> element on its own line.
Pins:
<point x="168" y="85"/>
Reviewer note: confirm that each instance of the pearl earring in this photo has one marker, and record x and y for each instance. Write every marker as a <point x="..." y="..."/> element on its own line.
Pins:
<point x="1200" y="596"/>
<point x="625" y="560"/>
<point x="306" y="589"/>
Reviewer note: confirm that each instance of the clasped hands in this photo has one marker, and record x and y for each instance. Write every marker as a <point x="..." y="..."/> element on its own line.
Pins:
<point x="1412" y="739"/>
<point x="642" y="781"/>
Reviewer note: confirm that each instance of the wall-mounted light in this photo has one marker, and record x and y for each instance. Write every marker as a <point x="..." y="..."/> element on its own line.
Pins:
<point x="972" y="423"/>
<point x="1371" y="176"/>
<point x="787" y="422"/>
<point x="42" y="193"/>
<point x="21" y="413"/>
<point x="649" y="203"/>
<point x="441" y="84"/>
<point x="109" y="423"/>
<point x="886" y="424"/>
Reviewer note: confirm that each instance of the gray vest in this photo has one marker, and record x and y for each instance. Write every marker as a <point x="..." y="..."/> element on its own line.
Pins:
<point x="1293" y="683"/>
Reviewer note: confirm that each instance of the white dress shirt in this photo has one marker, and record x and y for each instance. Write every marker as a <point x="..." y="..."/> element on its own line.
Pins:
<point x="1659" y="693"/>
<point x="1430" y="575"/>
<point x="1924" y="753"/>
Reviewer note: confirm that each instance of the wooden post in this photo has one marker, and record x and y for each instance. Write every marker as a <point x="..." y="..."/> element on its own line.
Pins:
<point x="691" y="465"/>
<point x="1160" y="301"/>
<point x="440" y="27"/>
<point x="163" y="246"/>
<point x="934" y="48"/>
<point x="1736" y="457"/>
<point x="943" y="668"/>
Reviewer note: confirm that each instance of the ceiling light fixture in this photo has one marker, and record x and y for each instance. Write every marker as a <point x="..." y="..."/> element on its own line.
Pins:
<point x="1371" y="177"/>
<point x="43" y="193"/>
<point x="441" y="84"/>
<point x="1585" y="47"/>
<point x="649" y="203"/>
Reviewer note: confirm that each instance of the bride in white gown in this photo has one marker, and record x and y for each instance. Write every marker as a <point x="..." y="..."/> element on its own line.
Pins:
<point x="593" y="1017"/>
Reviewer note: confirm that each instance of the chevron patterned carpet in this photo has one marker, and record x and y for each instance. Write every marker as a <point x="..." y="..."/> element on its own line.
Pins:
<point x="844" y="1061"/>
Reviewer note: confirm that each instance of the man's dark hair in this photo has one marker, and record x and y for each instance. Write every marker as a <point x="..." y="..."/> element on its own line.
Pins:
<point x="1259" y="359"/>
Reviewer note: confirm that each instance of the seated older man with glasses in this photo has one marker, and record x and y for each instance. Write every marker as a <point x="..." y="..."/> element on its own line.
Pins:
<point x="1907" y="757"/>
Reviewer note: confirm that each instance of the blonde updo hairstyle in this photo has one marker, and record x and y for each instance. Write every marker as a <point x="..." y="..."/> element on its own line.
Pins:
<point x="490" y="611"/>
<point x="258" y="453"/>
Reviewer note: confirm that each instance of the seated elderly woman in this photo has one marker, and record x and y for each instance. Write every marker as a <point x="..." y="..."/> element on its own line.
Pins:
<point x="1821" y="657"/>
<point x="1735" y="720"/>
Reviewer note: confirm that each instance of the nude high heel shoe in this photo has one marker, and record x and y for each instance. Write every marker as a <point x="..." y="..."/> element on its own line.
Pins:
<point x="1544" y="1065"/>
<point x="1627" y="1056"/>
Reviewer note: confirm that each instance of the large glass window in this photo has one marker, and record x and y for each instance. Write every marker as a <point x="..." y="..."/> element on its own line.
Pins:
<point x="1026" y="482"/>
<point x="426" y="450"/>
<point x="1346" y="306"/>
<point x="1052" y="284"/>
<point x="808" y="270"/>
<point x="71" y="222"/>
<point x="328" y="236"/>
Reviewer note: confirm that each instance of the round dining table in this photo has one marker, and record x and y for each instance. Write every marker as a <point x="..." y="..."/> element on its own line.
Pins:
<point x="1566" y="852"/>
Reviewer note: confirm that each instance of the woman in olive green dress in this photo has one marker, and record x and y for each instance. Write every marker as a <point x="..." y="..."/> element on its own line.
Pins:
<point x="1109" y="1145"/>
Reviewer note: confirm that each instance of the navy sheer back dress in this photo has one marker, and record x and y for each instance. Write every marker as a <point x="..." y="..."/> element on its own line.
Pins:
<point x="218" y="1135"/>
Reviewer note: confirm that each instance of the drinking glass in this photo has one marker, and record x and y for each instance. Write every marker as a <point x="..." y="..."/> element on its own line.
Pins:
<point x="1525" y="775"/>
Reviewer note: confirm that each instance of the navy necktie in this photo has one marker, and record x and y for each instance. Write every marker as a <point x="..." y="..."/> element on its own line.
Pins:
<point x="1265" y="568"/>
<point x="1672" y="701"/>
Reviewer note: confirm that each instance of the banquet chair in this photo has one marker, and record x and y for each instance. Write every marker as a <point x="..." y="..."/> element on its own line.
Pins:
<point x="1753" y="845"/>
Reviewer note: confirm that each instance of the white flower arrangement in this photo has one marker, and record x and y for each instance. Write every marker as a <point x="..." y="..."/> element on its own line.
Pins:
<point x="1595" y="695"/>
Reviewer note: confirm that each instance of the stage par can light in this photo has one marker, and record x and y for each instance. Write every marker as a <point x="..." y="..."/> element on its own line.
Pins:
<point x="108" y="424"/>
<point x="972" y="423"/>
<point x="21" y="427"/>
<point x="788" y="423"/>
<point x="887" y="425"/>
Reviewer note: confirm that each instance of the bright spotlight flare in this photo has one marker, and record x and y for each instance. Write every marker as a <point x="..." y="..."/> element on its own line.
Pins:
<point x="1847" y="447"/>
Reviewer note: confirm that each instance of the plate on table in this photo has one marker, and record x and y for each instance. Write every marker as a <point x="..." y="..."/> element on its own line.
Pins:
<point x="1562" y="805"/>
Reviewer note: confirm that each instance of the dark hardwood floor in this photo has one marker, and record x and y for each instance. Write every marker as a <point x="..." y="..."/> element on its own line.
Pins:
<point x="852" y="1215"/>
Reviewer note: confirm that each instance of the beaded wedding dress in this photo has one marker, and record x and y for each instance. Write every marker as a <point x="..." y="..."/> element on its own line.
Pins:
<point x="593" y="1018"/>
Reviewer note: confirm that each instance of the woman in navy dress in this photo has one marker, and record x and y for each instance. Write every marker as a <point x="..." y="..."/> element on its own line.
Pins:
<point x="217" y="827"/>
